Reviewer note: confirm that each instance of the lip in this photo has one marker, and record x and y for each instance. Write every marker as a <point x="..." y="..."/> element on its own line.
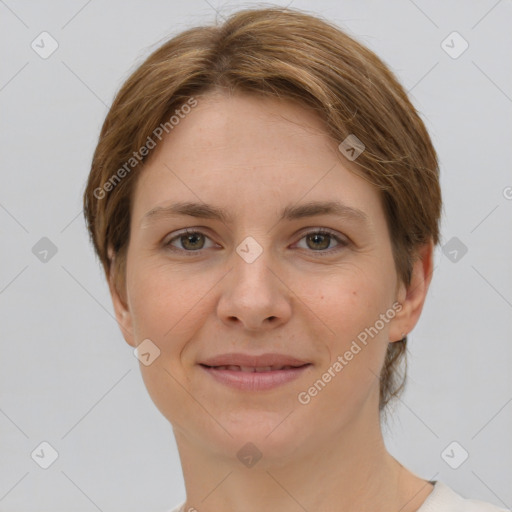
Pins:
<point x="255" y="381"/>
<point x="226" y="369"/>
<point x="262" y="360"/>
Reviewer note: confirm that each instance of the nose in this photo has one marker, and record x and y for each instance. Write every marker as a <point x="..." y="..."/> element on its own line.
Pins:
<point x="254" y="296"/>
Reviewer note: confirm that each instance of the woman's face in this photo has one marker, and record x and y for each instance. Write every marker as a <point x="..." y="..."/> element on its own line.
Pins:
<point x="266" y="279"/>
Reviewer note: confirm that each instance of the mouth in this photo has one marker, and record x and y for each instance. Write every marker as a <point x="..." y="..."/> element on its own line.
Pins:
<point x="253" y="369"/>
<point x="255" y="378"/>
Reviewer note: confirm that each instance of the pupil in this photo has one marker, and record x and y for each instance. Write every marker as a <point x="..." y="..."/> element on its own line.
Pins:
<point x="315" y="240"/>
<point x="189" y="239"/>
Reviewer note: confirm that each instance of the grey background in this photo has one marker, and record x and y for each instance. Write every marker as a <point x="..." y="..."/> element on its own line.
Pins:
<point x="67" y="377"/>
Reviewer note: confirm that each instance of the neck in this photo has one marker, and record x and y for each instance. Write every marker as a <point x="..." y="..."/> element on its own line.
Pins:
<point x="351" y="473"/>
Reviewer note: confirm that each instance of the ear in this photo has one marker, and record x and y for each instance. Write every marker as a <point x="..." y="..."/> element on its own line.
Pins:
<point x="413" y="297"/>
<point x="121" y="309"/>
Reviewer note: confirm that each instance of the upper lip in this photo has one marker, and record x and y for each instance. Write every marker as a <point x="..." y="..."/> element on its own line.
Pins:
<point x="256" y="361"/>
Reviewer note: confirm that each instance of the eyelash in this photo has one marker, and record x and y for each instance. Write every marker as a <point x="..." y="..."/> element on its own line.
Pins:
<point x="319" y="231"/>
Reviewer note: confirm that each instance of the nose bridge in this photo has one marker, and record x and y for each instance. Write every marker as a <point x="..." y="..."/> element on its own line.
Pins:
<point x="253" y="294"/>
<point x="251" y="265"/>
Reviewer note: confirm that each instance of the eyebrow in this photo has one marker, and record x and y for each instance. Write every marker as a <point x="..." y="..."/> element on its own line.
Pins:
<point x="291" y="212"/>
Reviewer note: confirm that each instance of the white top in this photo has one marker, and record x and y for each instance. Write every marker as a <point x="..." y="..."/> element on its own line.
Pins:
<point x="441" y="499"/>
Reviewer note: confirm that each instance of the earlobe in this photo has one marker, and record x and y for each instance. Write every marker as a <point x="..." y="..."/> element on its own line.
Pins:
<point x="412" y="297"/>
<point x="120" y="303"/>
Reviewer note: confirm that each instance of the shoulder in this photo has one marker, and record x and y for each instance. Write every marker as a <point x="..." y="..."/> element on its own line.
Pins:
<point x="445" y="499"/>
<point x="441" y="499"/>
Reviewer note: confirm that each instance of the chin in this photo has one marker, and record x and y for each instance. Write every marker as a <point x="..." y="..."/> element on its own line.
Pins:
<point x="260" y="435"/>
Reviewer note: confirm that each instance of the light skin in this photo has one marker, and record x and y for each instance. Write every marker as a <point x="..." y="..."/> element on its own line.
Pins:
<point x="305" y="296"/>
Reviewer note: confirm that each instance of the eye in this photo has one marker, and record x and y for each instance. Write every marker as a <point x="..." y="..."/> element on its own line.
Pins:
<point x="190" y="241"/>
<point x="321" y="239"/>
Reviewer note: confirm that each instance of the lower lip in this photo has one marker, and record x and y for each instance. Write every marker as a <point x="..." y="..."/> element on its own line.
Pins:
<point x="255" y="381"/>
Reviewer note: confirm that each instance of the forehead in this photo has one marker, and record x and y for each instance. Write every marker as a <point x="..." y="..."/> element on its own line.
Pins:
<point x="240" y="126"/>
<point x="248" y="151"/>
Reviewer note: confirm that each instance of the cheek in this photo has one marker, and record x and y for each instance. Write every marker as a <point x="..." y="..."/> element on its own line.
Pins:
<point x="352" y="308"/>
<point x="167" y="308"/>
<point x="166" y="303"/>
<point x="350" y="303"/>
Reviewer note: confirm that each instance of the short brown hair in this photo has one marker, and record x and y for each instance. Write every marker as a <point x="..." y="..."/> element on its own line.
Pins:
<point x="285" y="53"/>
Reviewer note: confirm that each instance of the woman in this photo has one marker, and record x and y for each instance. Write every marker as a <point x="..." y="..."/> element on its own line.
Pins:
<point x="265" y="202"/>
